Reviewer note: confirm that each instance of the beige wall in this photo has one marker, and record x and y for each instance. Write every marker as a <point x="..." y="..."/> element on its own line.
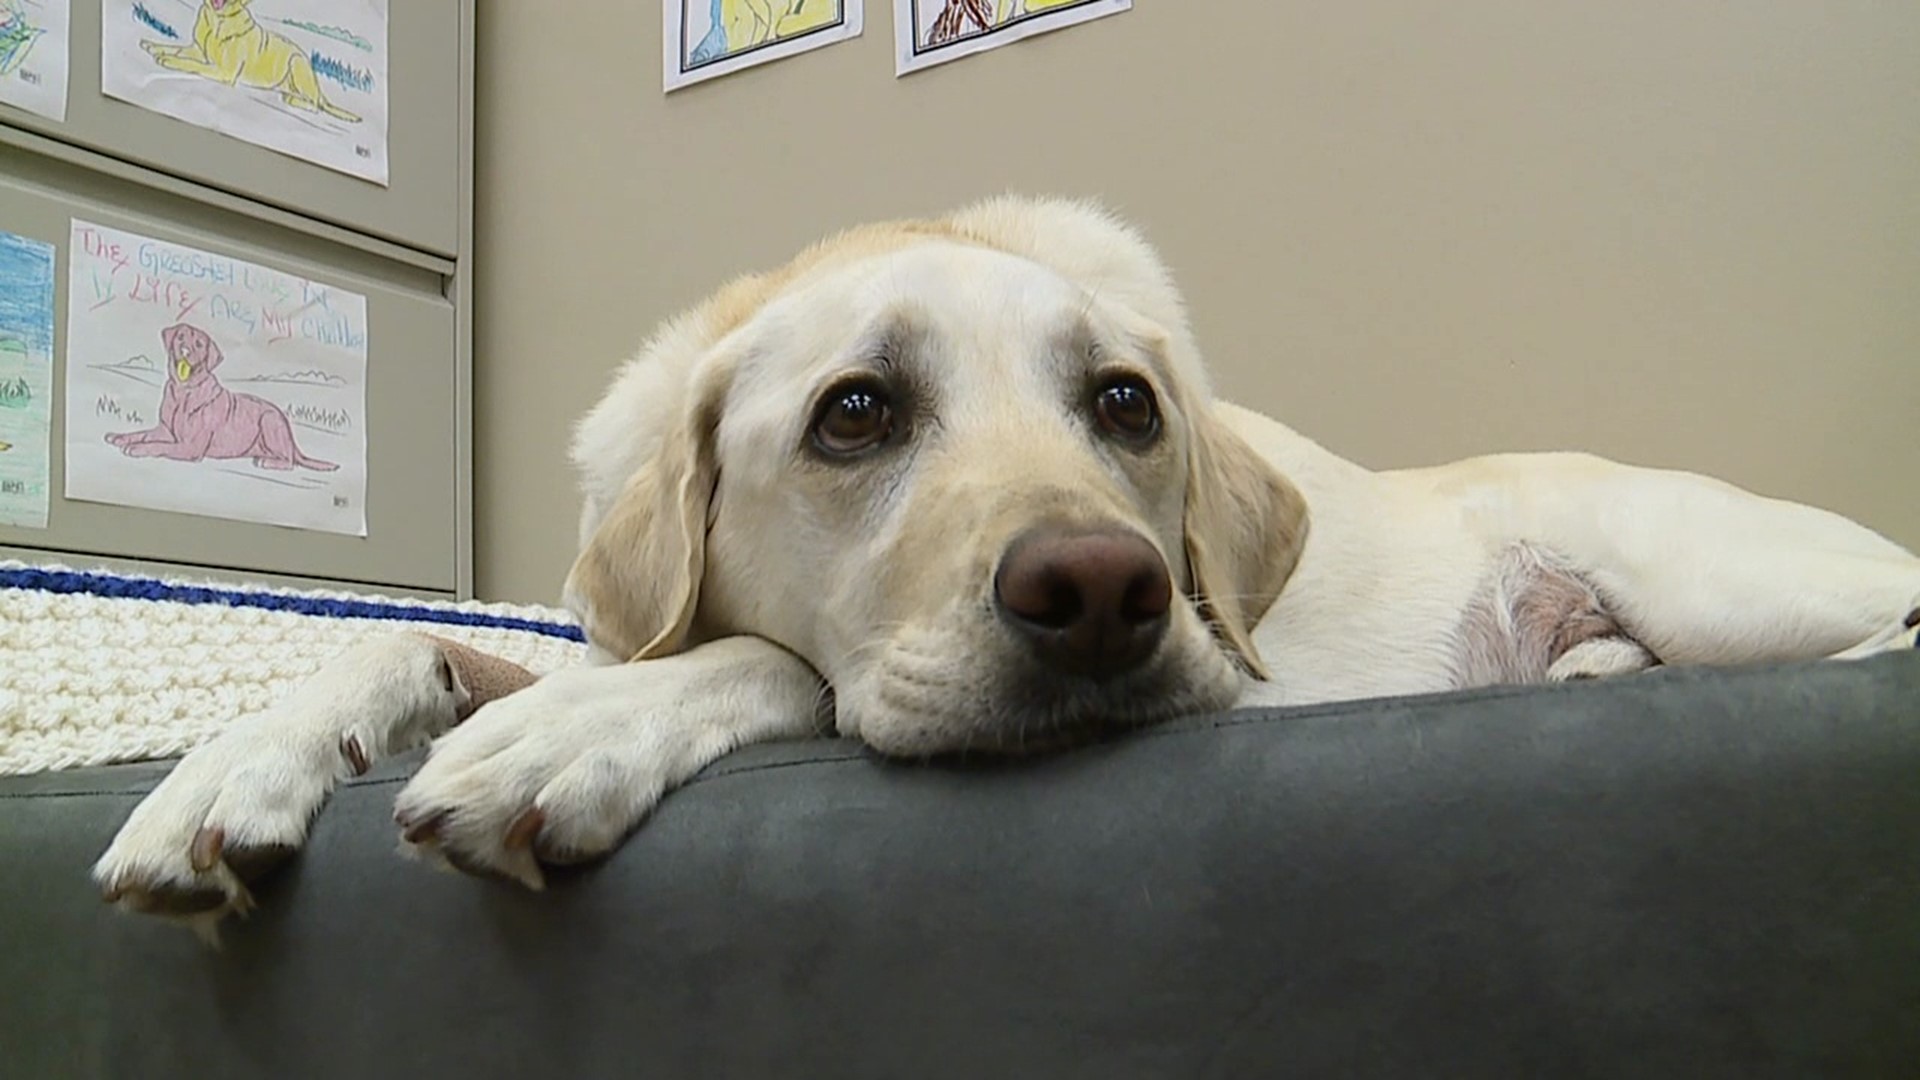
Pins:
<point x="1678" y="233"/>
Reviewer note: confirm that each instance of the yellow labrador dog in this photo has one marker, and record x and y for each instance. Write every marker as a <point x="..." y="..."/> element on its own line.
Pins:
<point x="961" y="484"/>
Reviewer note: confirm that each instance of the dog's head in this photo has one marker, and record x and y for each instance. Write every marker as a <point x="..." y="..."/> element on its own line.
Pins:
<point x="228" y="5"/>
<point x="968" y="469"/>
<point x="191" y="353"/>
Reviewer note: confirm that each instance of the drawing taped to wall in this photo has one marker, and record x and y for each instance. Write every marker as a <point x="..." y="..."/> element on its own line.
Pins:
<point x="929" y="32"/>
<point x="33" y="56"/>
<point x="304" y="77"/>
<point x="203" y="384"/>
<point x="26" y="378"/>
<point x="706" y="39"/>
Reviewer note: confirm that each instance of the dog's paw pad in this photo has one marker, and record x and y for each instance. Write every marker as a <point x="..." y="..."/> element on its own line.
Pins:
<point x="178" y="889"/>
<point x="206" y="878"/>
<point x="166" y="899"/>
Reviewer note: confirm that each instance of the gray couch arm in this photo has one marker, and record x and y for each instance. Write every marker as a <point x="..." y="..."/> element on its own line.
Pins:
<point x="1686" y="873"/>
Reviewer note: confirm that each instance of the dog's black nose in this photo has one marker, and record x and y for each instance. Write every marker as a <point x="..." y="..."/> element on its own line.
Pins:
<point x="1091" y="602"/>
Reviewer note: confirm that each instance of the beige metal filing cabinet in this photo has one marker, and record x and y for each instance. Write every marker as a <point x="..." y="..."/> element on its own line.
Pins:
<point x="407" y="247"/>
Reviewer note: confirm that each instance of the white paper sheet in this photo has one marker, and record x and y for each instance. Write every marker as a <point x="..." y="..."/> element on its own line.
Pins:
<point x="26" y="378"/>
<point x="929" y="32"/>
<point x="33" y="56"/>
<point x="705" y="39"/>
<point x="304" y="77"/>
<point x="204" y="384"/>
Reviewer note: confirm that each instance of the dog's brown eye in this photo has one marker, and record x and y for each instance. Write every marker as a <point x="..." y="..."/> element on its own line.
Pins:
<point x="853" y="418"/>
<point x="1126" y="408"/>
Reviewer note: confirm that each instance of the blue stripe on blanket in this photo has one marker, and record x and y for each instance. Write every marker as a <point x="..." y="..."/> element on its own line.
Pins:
<point x="68" y="581"/>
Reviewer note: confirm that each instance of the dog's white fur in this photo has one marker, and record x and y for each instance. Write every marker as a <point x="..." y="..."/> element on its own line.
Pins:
<point x="736" y="588"/>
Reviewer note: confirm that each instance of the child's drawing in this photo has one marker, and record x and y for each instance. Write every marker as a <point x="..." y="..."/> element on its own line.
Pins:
<point x="709" y="38"/>
<point x="929" y="32"/>
<point x="33" y="56"/>
<point x="161" y="340"/>
<point x="304" y="77"/>
<point x="26" y="378"/>
<point x="230" y="47"/>
<point x="200" y="419"/>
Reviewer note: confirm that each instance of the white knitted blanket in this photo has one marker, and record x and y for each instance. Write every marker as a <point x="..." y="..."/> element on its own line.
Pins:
<point x="97" y="668"/>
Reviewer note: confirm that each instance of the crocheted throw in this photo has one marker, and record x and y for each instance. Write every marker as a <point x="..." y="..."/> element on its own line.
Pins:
<point x="98" y="668"/>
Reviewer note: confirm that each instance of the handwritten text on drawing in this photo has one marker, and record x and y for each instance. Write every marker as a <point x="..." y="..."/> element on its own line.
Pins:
<point x="184" y="282"/>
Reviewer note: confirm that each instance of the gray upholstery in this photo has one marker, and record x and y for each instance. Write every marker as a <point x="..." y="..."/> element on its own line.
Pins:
<point x="1686" y="873"/>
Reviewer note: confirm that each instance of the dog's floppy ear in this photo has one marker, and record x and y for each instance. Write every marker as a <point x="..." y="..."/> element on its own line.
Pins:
<point x="636" y="582"/>
<point x="1246" y="526"/>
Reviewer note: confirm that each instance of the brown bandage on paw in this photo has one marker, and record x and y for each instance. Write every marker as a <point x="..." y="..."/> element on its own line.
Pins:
<point x="485" y="677"/>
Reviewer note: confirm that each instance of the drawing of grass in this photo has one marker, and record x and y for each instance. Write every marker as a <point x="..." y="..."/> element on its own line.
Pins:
<point x="319" y="417"/>
<point x="152" y="22"/>
<point x="15" y="361"/>
<point x="16" y="39"/>
<point x="337" y="33"/>
<point x="16" y="394"/>
<point x="345" y="74"/>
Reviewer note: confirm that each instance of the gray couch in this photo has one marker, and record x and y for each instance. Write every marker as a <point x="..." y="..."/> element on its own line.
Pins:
<point x="1686" y="873"/>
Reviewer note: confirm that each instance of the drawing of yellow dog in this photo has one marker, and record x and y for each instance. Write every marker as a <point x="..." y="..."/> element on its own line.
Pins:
<point x="1005" y="10"/>
<point x="230" y="47"/>
<point x="755" y="22"/>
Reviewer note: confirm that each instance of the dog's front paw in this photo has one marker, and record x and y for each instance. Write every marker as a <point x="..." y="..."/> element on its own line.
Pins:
<point x="553" y="775"/>
<point x="240" y="804"/>
<point x="229" y="812"/>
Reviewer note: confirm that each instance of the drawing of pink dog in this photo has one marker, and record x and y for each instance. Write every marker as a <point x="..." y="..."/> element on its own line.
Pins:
<point x="199" y="418"/>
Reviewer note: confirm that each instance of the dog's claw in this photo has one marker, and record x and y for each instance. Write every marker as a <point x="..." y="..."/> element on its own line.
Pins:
<point x="207" y="845"/>
<point x="525" y="828"/>
<point x="1913" y="619"/>
<point x="356" y="755"/>
<point x="428" y="828"/>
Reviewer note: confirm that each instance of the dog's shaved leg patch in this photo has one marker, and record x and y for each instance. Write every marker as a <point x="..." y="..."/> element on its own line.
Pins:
<point x="485" y="677"/>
